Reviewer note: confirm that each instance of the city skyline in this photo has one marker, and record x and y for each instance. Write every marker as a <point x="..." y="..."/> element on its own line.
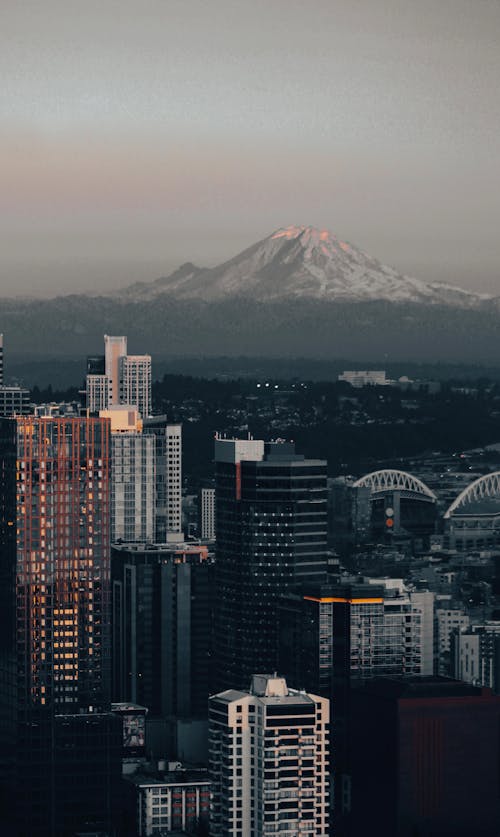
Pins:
<point x="135" y="141"/>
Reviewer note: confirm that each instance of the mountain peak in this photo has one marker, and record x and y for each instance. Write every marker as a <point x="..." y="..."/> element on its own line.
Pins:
<point x="303" y="262"/>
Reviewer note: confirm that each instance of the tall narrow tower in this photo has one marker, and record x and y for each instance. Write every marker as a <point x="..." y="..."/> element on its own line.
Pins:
<point x="54" y="593"/>
<point x="271" y="530"/>
<point x="114" y="349"/>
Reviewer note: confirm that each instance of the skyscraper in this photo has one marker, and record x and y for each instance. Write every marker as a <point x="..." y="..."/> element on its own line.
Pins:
<point x="161" y="634"/>
<point x="341" y="635"/>
<point x="268" y="752"/>
<point x="168" y="439"/>
<point x="133" y="481"/>
<point x="271" y="536"/>
<point x="54" y="591"/>
<point x="117" y="378"/>
<point x="114" y="349"/>
<point x="135" y="382"/>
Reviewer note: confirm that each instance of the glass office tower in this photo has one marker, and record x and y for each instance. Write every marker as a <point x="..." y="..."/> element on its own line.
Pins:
<point x="271" y="530"/>
<point x="54" y="595"/>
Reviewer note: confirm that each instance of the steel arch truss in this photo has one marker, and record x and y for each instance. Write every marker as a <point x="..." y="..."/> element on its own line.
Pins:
<point x="391" y="480"/>
<point x="487" y="486"/>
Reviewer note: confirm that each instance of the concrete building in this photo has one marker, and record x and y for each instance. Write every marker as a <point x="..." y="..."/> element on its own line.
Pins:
<point x="206" y="514"/>
<point x="168" y="477"/>
<point x="269" y="756"/>
<point x="118" y="378"/>
<point x="271" y="527"/>
<point x="114" y="349"/>
<point x="135" y="382"/>
<point x="342" y="635"/>
<point x="171" y="800"/>
<point x="14" y="401"/>
<point x="97" y="393"/>
<point x="475" y="655"/>
<point x="446" y="622"/>
<point x="133" y="478"/>
<point x="359" y="378"/>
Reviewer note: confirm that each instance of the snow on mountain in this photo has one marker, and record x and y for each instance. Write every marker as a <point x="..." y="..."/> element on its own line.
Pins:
<point x="304" y="262"/>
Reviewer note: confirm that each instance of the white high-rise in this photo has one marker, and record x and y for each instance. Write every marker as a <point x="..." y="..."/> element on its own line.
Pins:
<point x="135" y="382"/>
<point x="133" y="477"/>
<point x="118" y="378"/>
<point x="168" y="477"/>
<point x="268" y="751"/>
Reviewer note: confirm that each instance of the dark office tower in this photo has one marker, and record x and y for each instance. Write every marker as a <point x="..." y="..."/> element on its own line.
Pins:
<point x="54" y="590"/>
<point x="425" y="759"/>
<point x="1" y="360"/>
<point x="168" y="477"/>
<point x="161" y="632"/>
<point x="271" y="538"/>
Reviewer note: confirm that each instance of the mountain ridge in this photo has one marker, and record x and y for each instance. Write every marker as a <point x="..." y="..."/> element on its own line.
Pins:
<point x="304" y="263"/>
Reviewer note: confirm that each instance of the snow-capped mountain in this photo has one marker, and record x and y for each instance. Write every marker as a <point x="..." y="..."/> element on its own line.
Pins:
<point x="304" y="262"/>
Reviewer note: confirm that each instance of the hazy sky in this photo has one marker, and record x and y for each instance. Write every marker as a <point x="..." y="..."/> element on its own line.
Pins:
<point x="139" y="134"/>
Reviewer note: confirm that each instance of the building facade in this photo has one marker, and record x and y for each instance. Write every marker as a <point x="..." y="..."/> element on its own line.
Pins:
<point x="133" y="476"/>
<point x="206" y="514"/>
<point x="344" y="635"/>
<point x="173" y="800"/>
<point x="114" y="349"/>
<point x="168" y="438"/>
<point x="269" y="755"/>
<point x="54" y="594"/>
<point x="271" y="527"/>
<point x="135" y="382"/>
<point x="161" y="628"/>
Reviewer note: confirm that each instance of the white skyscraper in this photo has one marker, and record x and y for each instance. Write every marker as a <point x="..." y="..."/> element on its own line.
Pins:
<point x="97" y="392"/>
<point x="133" y="476"/>
<point x="168" y="477"/>
<point x="268" y="751"/>
<point x="135" y="382"/>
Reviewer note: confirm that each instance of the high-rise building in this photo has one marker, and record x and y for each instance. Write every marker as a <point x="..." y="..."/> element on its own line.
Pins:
<point x="168" y="477"/>
<point x="206" y="514"/>
<point x="446" y="622"/>
<point x="268" y="751"/>
<point x="54" y="594"/>
<point x="339" y="636"/>
<point x="475" y="655"/>
<point x="135" y="382"/>
<point x="271" y="531"/>
<point x="1" y="360"/>
<point x="161" y="634"/>
<point x="133" y="479"/>
<point x="14" y="401"/>
<point x="117" y="378"/>
<point x="425" y="759"/>
<point x="96" y="393"/>
<point x="114" y="349"/>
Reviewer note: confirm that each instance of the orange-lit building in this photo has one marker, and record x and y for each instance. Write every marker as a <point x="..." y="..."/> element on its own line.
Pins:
<point x="54" y="591"/>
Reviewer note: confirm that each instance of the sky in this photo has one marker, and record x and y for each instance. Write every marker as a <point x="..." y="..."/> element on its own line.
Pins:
<point x="140" y="134"/>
